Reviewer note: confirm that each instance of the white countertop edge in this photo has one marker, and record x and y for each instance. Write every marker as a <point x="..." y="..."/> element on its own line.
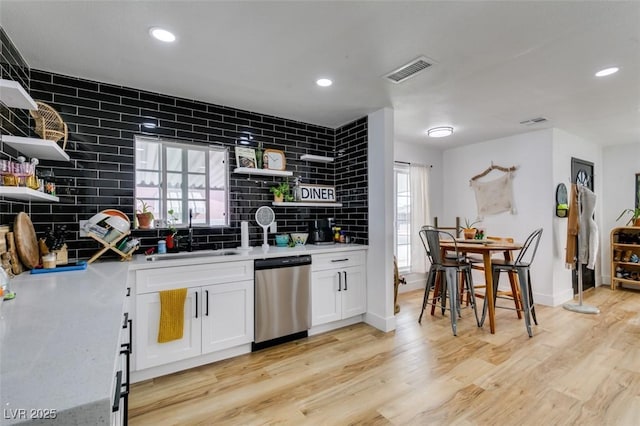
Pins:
<point x="139" y="261"/>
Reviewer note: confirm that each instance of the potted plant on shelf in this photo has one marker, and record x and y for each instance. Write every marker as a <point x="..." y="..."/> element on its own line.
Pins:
<point x="144" y="215"/>
<point x="634" y="220"/>
<point x="282" y="192"/>
<point x="468" y="230"/>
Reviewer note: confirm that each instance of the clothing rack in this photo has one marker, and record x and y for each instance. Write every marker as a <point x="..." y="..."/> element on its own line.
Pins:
<point x="494" y="167"/>
<point x="580" y="307"/>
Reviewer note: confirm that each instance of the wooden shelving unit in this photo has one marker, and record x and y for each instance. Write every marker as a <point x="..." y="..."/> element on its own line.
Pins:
<point x="625" y="241"/>
<point x="261" y="172"/>
<point x="110" y="246"/>
<point x="38" y="148"/>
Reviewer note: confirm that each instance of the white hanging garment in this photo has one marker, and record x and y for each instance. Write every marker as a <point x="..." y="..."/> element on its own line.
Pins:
<point x="588" y="229"/>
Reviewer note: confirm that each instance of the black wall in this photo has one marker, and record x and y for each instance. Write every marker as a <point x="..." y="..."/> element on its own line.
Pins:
<point x="103" y="120"/>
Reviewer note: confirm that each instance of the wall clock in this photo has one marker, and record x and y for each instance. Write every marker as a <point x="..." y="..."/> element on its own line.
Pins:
<point x="274" y="159"/>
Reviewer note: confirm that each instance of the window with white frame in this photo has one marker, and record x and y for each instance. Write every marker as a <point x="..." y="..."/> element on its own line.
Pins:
<point x="403" y="215"/>
<point x="178" y="177"/>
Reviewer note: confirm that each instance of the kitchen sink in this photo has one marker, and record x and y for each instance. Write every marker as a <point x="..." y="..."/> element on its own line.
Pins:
<point x="191" y="255"/>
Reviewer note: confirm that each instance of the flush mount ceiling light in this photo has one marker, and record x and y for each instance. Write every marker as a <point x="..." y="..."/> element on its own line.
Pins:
<point x="324" y="82"/>
<point x="607" y="71"/>
<point x="162" y="34"/>
<point x="439" y="132"/>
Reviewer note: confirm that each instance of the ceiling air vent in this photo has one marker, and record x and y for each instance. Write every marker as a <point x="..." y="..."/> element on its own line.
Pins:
<point x="408" y="70"/>
<point x="533" y="121"/>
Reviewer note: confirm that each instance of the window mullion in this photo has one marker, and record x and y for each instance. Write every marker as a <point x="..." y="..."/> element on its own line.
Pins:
<point x="164" y="184"/>
<point x="185" y="186"/>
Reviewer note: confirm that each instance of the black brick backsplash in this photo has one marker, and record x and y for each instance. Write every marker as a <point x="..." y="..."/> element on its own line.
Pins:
<point x="103" y="120"/>
<point x="12" y="121"/>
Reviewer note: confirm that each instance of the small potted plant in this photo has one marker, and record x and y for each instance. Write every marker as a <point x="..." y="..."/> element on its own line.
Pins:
<point x="172" y="218"/>
<point x="281" y="192"/>
<point x="634" y="220"/>
<point x="144" y="215"/>
<point x="468" y="230"/>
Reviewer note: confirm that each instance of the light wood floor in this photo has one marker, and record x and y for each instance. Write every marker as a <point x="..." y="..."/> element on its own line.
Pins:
<point x="577" y="369"/>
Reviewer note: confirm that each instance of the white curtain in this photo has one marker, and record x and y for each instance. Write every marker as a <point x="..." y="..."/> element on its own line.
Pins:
<point x="419" y="215"/>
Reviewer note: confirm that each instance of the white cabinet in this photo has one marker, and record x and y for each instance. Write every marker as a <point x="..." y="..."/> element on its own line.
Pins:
<point x="227" y="316"/>
<point x="150" y="353"/>
<point x="338" y="286"/>
<point x="216" y="316"/>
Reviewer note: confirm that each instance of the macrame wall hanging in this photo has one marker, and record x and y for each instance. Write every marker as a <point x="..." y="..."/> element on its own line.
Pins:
<point x="494" y="196"/>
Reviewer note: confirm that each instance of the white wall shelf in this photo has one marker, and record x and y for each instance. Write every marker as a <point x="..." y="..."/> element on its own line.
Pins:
<point x="14" y="96"/>
<point x="38" y="148"/>
<point x="316" y="158"/>
<point x="26" y="194"/>
<point x="261" y="172"/>
<point x="305" y="204"/>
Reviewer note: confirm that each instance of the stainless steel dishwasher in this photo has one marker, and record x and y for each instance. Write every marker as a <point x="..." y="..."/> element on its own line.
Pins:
<point x="282" y="300"/>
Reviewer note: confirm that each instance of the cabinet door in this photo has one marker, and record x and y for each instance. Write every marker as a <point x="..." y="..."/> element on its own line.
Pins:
<point x="325" y="297"/>
<point x="354" y="297"/>
<point x="150" y="353"/>
<point x="227" y="315"/>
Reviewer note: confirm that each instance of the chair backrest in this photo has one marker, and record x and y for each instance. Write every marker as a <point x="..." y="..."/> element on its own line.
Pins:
<point x="529" y="248"/>
<point x="430" y="237"/>
<point x="455" y="229"/>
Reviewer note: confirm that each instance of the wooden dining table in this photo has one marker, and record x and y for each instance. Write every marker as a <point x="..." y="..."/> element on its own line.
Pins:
<point x="486" y="249"/>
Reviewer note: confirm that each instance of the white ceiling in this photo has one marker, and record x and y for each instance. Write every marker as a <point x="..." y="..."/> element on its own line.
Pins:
<point x="496" y="63"/>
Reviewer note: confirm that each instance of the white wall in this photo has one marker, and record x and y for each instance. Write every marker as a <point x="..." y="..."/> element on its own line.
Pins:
<point x="533" y="188"/>
<point x="620" y="164"/>
<point x="380" y="309"/>
<point x="565" y="147"/>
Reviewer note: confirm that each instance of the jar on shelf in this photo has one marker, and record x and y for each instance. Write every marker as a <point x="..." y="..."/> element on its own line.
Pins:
<point x="48" y="181"/>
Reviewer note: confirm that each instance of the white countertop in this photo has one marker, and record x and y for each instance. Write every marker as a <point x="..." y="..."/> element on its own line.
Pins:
<point x="186" y="258"/>
<point x="59" y="340"/>
<point x="59" y="336"/>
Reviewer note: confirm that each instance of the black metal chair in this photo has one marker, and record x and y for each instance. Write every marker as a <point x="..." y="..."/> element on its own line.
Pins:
<point x="521" y="266"/>
<point x="450" y="270"/>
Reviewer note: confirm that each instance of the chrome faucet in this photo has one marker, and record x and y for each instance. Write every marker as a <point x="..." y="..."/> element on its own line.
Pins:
<point x="190" y="238"/>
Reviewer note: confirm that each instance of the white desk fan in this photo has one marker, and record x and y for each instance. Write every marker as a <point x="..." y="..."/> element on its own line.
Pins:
<point x="265" y="218"/>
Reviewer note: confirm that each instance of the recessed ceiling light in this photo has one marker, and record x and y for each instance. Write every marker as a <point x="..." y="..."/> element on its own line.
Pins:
<point x="324" y="82"/>
<point x="162" y="34"/>
<point x="439" y="132"/>
<point x="607" y="71"/>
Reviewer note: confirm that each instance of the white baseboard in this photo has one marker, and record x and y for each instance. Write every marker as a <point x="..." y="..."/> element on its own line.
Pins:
<point x="323" y="328"/>
<point x="382" y="324"/>
<point x="414" y="282"/>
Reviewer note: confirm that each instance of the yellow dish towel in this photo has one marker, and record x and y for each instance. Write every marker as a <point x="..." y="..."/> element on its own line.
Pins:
<point x="171" y="315"/>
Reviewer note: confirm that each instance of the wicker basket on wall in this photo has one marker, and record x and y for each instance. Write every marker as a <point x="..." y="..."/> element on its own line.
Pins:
<point x="49" y="124"/>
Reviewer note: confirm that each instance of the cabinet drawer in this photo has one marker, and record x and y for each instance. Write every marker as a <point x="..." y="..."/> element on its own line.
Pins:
<point x="157" y="279"/>
<point x="343" y="259"/>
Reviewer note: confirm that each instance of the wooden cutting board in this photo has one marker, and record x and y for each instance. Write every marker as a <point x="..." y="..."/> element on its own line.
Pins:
<point x="26" y="242"/>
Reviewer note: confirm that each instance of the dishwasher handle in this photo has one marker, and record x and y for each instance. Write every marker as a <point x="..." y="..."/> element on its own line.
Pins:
<point x="281" y="262"/>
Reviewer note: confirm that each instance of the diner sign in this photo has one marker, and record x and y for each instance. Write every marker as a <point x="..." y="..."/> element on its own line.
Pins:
<point x="318" y="193"/>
